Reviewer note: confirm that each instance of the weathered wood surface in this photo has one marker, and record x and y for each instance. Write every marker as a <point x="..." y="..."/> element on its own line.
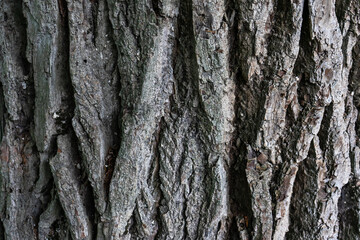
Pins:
<point x="179" y="119"/>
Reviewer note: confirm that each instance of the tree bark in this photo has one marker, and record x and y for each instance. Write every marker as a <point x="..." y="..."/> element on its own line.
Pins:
<point x="179" y="119"/>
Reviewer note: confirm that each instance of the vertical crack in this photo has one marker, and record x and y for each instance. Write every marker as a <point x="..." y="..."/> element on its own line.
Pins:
<point x="354" y="83"/>
<point x="304" y="200"/>
<point x="94" y="19"/>
<point x="340" y="10"/>
<point x="109" y="167"/>
<point x="86" y="191"/>
<point x="239" y="190"/>
<point x="155" y="169"/>
<point x="348" y="216"/>
<point x="26" y="89"/>
<point x="63" y="10"/>
<point x="3" y="112"/>
<point x="156" y="7"/>
<point x="66" y="112"/>
<point x="348" y="205"/>
<point x="2" y="231"/>
<point x="112" y="153"/>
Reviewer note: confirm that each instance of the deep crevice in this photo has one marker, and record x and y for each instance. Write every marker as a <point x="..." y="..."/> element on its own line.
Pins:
<point x="187" y="86"/>
<point x="3" y="111"/>
<point x="306" y="91"/>
<point x="303" y="200"/>
<point x="239" y="189"/>
<point x="63" y="11"/>
<point x="348" y="213"/>
<point x="282" y="25"/>
<point x="59" y="227"/>
<point x="66" y="113"/>
<point x="94" y="19"/>
<point x="189" y="89"/>
<point x="2" y="231"/>
<point x="156" y="7"/>
<point x="186" y="231"/>
<point x="134" y="224"/>
<point x="324" y="131"/>
<point x="354" y="83"/>
<point x="25" y="88"/>
<point x="110" y="159"/>
<point x="161" y="201"/>
<point x="25" y="124"/>
<point x="86" y="191"/>
<point x="340" y="10"/>
<point x="304" y="64"/>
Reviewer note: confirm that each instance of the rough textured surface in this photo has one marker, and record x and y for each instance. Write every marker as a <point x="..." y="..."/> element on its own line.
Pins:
<point x="179" y="119"/>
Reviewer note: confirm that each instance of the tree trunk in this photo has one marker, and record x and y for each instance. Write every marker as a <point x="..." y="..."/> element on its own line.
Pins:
<point x="179" y="119"/>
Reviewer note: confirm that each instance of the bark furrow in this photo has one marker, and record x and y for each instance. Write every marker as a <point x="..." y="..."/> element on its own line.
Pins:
<point x="179" y="119"/>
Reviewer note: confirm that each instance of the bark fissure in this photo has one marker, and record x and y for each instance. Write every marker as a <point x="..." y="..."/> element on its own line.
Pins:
<point x="3" y="112"/>
<point x="239" y="192"/>
<point x="305" y="189"/>
<point x="161" y="202"/>
<point x="19" y="159"/>
<point x="2" y="231"/>
<point x="348" y="212"/>
<point x="154" y="119"/>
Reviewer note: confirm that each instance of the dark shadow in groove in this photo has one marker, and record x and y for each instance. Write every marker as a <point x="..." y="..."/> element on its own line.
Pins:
<point x="239" y="190"/>
<point x="94" y="19"/>
<point x="200" y="126"/>
<point x="354" y="84"/>
<point x="303" y="68"/>
<point x="26" y="96"/>
<point x="85" y="189"/>
<point x="155" y="168"/>
<point x="59" y="228"/>
<point x="110" y="159"/>
<point x="304" y="64"/>
<point x="156" y="7"/>
<point x="189" y="89"/>
<point x="3" y="111"/>
<point x="64" y="122"/>
<point x="282" y="26"/>
<point x="303" y="200"/>
<point x="348" y="214"/>
<point x="324" y="132"/>
<point x="186" y="91"/>
<point x="304" y="189"/>
<point x="348" y="204"/>
<point x="66" y="112"/>
<point x="2" y="231"/>
<point x="340" y="10"/>
<point x="134" y="225"/>
<point x="63" y="11"/>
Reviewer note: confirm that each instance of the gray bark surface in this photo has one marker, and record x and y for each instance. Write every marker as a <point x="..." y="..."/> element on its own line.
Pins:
<point x="179" y="119"/>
